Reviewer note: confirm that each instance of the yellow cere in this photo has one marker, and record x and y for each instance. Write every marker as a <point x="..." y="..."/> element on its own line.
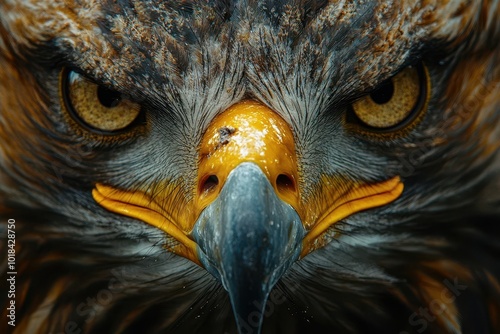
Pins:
<point x="248" y="132"/>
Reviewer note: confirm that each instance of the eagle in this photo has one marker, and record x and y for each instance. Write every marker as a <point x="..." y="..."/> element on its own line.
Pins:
<point x="250" y="166"/>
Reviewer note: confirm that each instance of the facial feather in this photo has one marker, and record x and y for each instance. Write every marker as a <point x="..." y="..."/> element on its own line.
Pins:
<point x="187" y="62"/>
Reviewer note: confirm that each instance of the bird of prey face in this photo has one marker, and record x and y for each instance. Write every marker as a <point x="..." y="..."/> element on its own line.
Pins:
<point x="257" y="166"/>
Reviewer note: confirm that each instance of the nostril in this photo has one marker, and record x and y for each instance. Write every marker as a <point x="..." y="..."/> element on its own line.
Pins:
<point x="285" y="183"/>
<point x="209" y="184"/>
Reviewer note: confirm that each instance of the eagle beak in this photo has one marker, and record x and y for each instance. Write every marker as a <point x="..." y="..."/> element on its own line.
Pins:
<point x="249" y="232"/>
<point x="248" y="238"/>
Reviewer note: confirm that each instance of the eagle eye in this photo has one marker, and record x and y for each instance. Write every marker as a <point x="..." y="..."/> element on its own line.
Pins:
<point x="394" y="104"/>
<point x="95" y="107"/>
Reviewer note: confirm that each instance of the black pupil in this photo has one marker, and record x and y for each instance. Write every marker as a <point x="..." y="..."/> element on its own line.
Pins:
<point x="107" y="97"/>
<point x="384" y="93"/>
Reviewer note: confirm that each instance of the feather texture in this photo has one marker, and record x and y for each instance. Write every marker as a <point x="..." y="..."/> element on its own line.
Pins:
<point x="427" y="263"/>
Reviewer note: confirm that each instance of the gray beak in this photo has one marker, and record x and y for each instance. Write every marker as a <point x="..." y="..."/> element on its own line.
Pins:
<point x="247" y="239"/>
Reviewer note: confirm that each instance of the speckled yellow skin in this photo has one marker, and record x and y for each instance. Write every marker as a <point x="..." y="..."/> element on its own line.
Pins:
<point x="258" y="135"/>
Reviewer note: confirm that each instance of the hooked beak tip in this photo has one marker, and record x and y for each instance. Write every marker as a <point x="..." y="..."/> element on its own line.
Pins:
<point x="248" y="238"/>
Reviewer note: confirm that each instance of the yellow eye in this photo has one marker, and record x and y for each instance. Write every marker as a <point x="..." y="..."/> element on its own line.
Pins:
<point x="395" y="103"/>
<point x="96" y="107"/>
